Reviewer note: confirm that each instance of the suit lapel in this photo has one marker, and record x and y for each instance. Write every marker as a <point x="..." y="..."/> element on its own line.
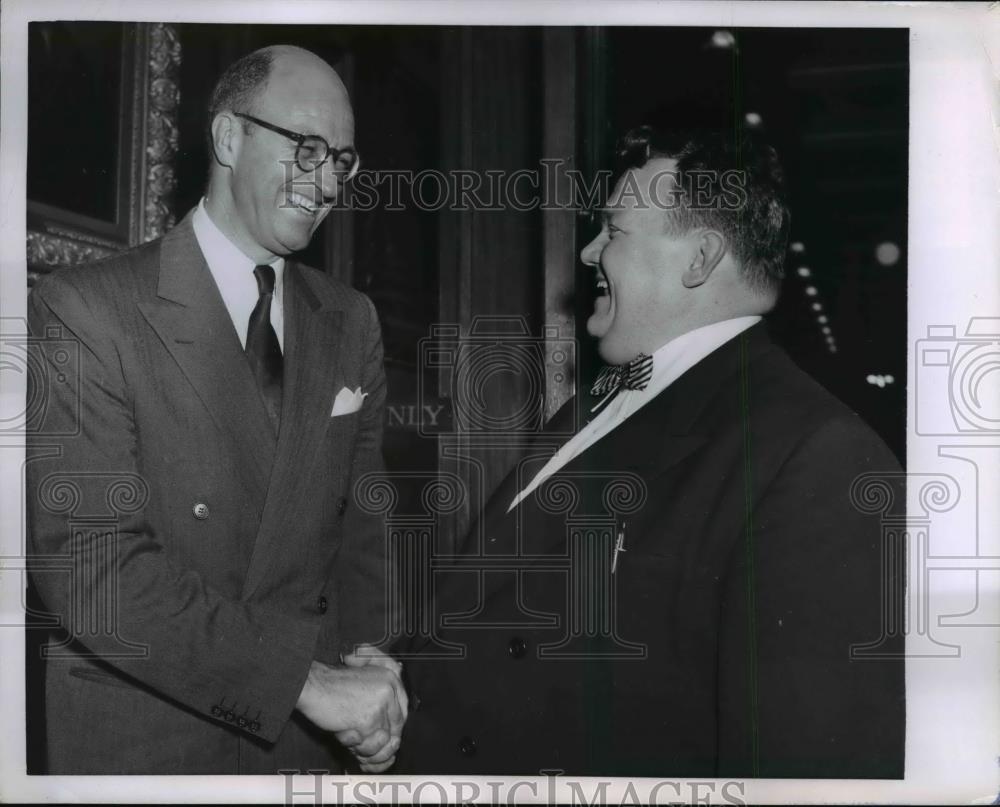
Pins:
<point x="660" y="435"/>
<point x="556" y="431"/>
<point x="311" y="374"/>
<point x="672" y="425"/>
<point x="191" y="320"/>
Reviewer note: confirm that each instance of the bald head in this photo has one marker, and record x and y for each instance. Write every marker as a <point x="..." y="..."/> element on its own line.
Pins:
<point x="302" y="84"/>
<point x="291" y="65"/>
<point x="259" y="193"/>
<point x="289" y="68"/>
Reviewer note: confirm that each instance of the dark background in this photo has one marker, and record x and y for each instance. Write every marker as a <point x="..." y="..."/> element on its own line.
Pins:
<point x="71" y="69"/>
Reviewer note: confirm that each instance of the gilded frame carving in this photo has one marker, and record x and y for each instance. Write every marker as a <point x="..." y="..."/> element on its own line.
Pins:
<point x="146" y="178"/>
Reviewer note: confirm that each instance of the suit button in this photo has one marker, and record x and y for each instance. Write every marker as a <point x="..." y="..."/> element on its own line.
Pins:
<point x="341" y="506"/>
<point x="200" y="511"/>
<point x="216" y="711"/>
<point x="230" y="717"/>
<point x="467" y="746"/>
<point x="241" y="722"/>
<point x="517" y="647"/>
<point x="254" y="726"/>
<point x="415" y="702"/>
<point x="321" y="605"/>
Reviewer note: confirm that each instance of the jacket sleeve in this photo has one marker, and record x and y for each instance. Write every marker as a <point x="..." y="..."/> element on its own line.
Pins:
<point x="812" y="577"/>
<point x="171" y="632"/>
<point x="363" y="559"/>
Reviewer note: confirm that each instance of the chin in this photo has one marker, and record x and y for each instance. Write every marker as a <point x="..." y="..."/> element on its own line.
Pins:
<point x="610" y="353"/>
<point x="294" y="241"/>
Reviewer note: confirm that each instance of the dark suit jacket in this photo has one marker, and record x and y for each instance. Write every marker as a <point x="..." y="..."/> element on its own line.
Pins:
<point x="197" y="562"/>
<point x="720" y="646"/>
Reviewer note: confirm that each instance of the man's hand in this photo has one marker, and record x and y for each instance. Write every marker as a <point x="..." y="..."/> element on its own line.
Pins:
<point x="364" y="706"/>
<point x="369" y="654"/>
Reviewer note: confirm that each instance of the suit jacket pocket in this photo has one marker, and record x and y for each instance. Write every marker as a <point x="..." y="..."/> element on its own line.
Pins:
<point x="342" y="429"/>
<point x="341" y="435"/>
<point x="99" y="676"/>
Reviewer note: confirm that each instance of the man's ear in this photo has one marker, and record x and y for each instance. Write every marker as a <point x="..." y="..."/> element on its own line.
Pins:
<point x="226" y="138"/>
<point x="710" y="248"/>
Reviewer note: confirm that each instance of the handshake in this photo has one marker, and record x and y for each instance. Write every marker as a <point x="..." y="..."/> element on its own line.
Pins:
<point x="363" y="703"/>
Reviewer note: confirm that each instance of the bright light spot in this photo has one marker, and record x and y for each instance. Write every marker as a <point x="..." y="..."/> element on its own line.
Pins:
<point x="821" y="319"/>
<point x="890" y="380"/>
<point x="826" y="329"/>
<point x="812" y="291"/>
<point x="870" y="379"/>
<point x="880" y="381"/>
<point x="817" y="306"/>
<point x="833" y="348"/>
<point x="887" y="253"/>
<point x="753" y="119"/>
<point x="797" y="247"/>
<point x="803" y="271"/>
<point x="723" y="39"/>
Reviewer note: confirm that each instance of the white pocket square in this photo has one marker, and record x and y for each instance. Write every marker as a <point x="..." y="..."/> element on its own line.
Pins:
<point x="347" y="402"/>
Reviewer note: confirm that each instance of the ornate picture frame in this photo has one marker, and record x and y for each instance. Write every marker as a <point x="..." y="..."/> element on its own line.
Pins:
<point x="143" y="173"/>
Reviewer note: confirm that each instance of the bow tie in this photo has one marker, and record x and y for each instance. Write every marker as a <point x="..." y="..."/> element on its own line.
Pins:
<point x="634" y="375"/>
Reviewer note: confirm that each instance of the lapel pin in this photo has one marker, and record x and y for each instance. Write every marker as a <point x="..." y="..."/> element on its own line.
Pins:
<point x="619" y="547"/>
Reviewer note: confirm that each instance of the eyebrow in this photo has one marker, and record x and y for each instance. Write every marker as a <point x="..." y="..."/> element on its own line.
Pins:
<point x="608" y="218"/>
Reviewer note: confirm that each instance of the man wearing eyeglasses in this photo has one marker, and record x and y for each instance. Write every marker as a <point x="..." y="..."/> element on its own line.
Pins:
<point x="238" y="397"/>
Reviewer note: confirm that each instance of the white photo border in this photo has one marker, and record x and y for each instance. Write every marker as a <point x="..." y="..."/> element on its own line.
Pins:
<point x="953" y="720"/>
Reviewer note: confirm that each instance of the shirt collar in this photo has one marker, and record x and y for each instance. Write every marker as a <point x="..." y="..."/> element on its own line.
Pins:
<point x="227" y="262"/>
<point x="676" y="357"/>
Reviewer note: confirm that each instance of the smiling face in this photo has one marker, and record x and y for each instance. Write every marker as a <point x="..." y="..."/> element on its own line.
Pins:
<point x="267" y="205"/>
<point x="638" y="267"/>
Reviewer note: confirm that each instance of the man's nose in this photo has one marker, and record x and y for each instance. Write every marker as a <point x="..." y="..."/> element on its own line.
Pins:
<point x="327" y="181"/>
<point x="590" y="255"/>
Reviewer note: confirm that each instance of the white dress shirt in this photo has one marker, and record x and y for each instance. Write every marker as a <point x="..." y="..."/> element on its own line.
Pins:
<point x="669" y="362"/>
<point x="233" y="275"/>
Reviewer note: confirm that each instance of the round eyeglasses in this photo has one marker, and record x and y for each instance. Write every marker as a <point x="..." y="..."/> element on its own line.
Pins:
<point x="311" y="151"/>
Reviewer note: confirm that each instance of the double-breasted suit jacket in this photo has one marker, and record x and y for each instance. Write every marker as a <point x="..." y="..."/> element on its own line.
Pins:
<point x="718" y="640"/>
<point x="198" y="561"/>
